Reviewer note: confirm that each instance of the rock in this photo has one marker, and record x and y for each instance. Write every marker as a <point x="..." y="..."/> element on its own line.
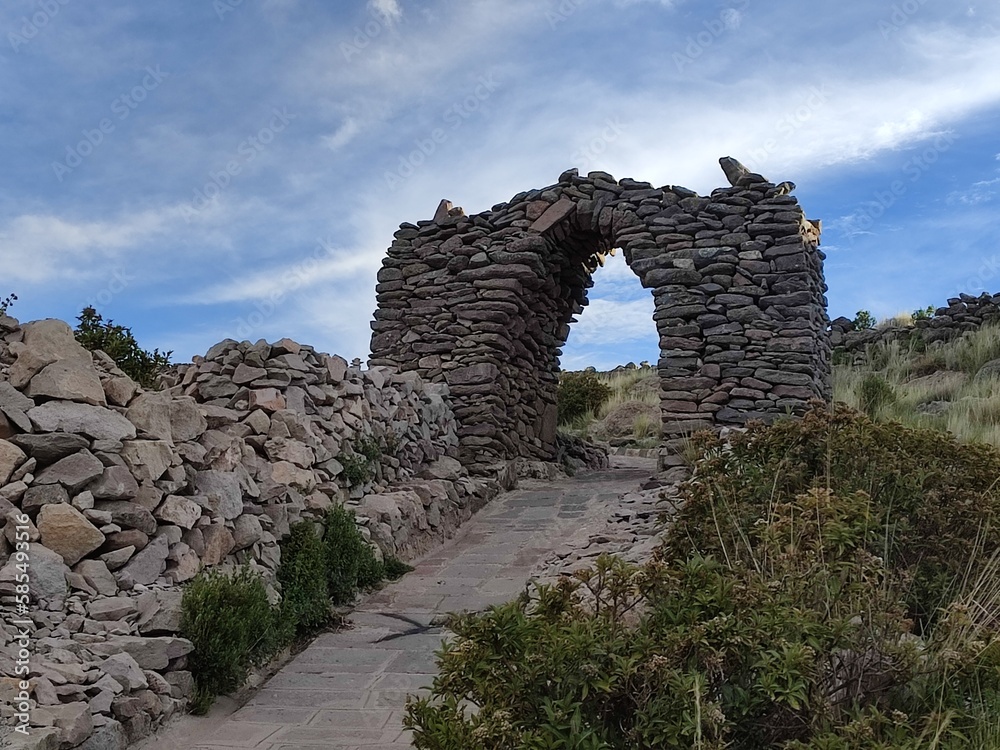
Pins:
<point x="48" y="574"/>
<point x="120" y="390"/>
<point x="165" y="617"/>
<point x="247" y="531"/>
<point x="114" y="608"/>
<point x="989" y="370"/>
<point x="149" y="653"/>
<point x="129" y="515"/>
<point x="111" y="736"/>
<point x="96" y="573"/>
<point x="219" y="492"/>
<point x="73" y="472"/>
<point x="218" y="543"/>
<point x="65" y="531"/>
<point x="41" y="495"/>
<point x="443" y="468"/>
<point x="146" y="566"/>
<point x="116" y="483"/>
<point x="68" y="380"/>
<point x="147" y="459"/>
<point x="268" y="399"/>
<point x="117" y="558"/>
<point x="53" y="340"/>
<point x="48" y="449"/>
<point x="74" y="722"/>
<point x="186" y="420"/>
<point x="181" y="511"/>
<point x="10" y="458"/>
<point x="150" y="413"/>
<point x="12" y="398"/>
<point x="85" y="419"/>
<point x="245" y="374"/>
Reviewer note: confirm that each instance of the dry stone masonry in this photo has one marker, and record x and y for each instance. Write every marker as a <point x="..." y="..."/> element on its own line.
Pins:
<point x="484" y="303"/>
<point x="960" y="315"/>
<point x="129" y="493"/>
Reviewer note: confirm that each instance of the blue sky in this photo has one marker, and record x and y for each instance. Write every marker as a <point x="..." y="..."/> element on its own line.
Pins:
<point x="203" y="169"/>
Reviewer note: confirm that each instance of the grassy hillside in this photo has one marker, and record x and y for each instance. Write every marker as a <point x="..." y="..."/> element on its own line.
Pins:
<point x="621" y="407"/>
<point x="953" y="386"/>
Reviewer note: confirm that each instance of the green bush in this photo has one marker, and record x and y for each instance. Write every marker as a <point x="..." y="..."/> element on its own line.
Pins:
<point x="925" y="314"/>
<point x="6" y="302"/>
<point x="395" y="568"/>
<point x="350" y="562"/>
<point x="809" y="595"/>
<point x="579" y="393"/>
<point x="863" y="320"/>
<point x="232" y="626"/>
<point x="118" y="343"/>
<point x="305" y="600"/>
<point x="876" y="393"/>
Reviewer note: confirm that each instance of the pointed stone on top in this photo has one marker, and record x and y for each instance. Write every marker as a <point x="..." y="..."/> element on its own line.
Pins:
<point x="443" y="211"/>
<point x="556" y="213"/>
<point x="733" y="169"/>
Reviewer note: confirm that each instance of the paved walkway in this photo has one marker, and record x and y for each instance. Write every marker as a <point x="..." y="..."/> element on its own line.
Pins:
<point x="348" y="689"/>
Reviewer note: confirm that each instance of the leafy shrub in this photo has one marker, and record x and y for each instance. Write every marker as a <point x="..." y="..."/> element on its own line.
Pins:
<point x="780" y="613"/>
<point x="395" y="568"/>
<point x="863" y="320"/>
<point x="6" y="302"/>
<point x="579" y="393"/>
<point x="925" y="314"/>
<point x="305" y="600"/>
<point x="357" y="469"/>
<point x="876" y="393"/>
<point x="232" y="626"/>
<point x="350" y="562"/>
<point x="118" y="343"/>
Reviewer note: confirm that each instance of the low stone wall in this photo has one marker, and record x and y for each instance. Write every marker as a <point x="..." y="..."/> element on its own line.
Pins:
<point x="117" y="495"/>
<point x="962" y="314"/>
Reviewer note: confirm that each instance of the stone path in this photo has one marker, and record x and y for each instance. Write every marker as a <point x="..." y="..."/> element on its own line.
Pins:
<point x="348" y="689"/>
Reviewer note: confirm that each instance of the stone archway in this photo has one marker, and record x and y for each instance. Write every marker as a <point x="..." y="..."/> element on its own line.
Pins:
<point x="484" y="303"/>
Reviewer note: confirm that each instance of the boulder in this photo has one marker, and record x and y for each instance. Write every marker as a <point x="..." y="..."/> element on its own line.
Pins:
<point x="49" y="448"/>
<point x="146" y="566"/>
<point x="180" y="511"/>
<point x="125" y="670"/>
<point x="115" y="483"/>
<point x="68" y="380"/>
<point x="219" y="492"/>
<point x="150" y="413"/>
<point x="11" y="457"/>
<point x="148" y="459"/>
<point x="84" y="419"/>
<point x="73" y="472"/>
<point x="96" y="573"/>
<point x="64" y="530"/>
<point x="219" y="542"/>
<point x="149" y="653"/>
<point x="129" y="515"/>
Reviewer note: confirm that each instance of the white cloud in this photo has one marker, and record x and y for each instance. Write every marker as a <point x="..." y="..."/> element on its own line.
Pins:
<point x="388" y="10"/>
<point x="343" y="135"/>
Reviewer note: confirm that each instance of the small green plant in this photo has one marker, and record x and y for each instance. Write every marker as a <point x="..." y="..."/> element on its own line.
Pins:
<point x="580" y="393"/>
<point x="232" y="626"/>
<point x="395" y="568"/>
<point x="876" y="394"/>
<point x="305" y="600"/>
<point x="118" y="343"/>
<point x="863" y="320"/>
<point x="350" y="561"/>
<point x="925" y="314"/>
<point x="357" y="469"/>
<point x="6" y="302"/>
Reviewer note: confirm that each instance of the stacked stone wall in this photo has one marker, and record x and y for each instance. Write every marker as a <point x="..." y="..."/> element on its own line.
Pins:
<point x="112" y="497"/>
<point x="485" y="303"/>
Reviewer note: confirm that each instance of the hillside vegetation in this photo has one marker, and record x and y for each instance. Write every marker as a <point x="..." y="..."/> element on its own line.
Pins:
<point x="621" y="407"/>
<point x="950" y="387"/>
<point x="829" y="583"/>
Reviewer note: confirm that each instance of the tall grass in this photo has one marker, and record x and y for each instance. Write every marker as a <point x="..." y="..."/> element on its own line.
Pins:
<point x="904" y="379"/>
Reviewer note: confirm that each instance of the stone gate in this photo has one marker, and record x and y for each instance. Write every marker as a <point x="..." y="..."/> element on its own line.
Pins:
<point x="485" y="303"/>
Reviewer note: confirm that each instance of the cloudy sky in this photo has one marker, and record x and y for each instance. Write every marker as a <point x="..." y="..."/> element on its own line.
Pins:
<point x="203" y="169"/>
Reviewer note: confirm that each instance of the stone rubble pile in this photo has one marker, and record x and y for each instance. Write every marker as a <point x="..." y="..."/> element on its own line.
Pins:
<point x="123" y="494"/>
<point x="485" y="302"/>
<point x="962" y="314"/>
